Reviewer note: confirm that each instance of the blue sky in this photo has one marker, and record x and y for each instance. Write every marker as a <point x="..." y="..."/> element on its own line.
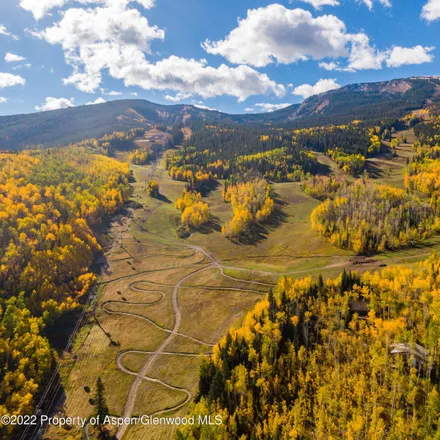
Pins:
<point x="233" y="55"/>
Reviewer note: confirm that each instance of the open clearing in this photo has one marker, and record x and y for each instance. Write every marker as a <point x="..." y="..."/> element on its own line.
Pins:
<point x="165" y="302"/>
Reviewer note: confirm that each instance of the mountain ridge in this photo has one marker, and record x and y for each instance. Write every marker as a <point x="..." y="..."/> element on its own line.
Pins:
<point x="367" y="101"/>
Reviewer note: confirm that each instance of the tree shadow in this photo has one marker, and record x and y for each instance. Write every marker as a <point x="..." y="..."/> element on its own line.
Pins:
<point x="209" y="187"/>
<point x="163" y="198"/>
<point x="322" y="168"/>
<point x="133" y="204"/>
<point x="259" y="231"/>
<point x="212" y="226"/>
<point x="373" y="170"/>
<point x="60" y="329"/>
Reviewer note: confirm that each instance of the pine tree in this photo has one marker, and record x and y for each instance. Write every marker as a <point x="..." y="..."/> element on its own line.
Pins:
<point x="101" y="406"/>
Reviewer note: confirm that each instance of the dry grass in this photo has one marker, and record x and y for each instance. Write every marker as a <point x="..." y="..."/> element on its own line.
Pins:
<point x="153" y="257"/>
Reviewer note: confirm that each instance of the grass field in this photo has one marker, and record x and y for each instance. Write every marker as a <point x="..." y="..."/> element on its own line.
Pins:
<point x="165" y="301"/>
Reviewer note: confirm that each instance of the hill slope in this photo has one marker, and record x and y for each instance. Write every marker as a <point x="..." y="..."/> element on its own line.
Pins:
<point x="369" y="100"/>
<point x="357" y="101"/>
<point x="71" y="125"/>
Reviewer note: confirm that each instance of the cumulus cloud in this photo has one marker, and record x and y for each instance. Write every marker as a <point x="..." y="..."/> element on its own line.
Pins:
<point x="96" y="101"/>
<point x="323" y="85"/>
<point x="13" y="58"/>
<point x="10" y="80"/>
<point x="178" y="97"/>
<point x="277" y="34"/>
<point x="116" y="39"/>
<point x="267" y="107"/>
<point x="39" y="8"/>
<point x="363" y="56"/>
<point x="431" y="10"/>
<point x="3" y="100"/>
<point x="55" y="104"/>
<point x="318" y="4"/>
<point x="113" y="93"/>
<point x="400" y="56"/>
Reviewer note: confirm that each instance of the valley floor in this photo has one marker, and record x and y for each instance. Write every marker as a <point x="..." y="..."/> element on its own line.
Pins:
<point x="164" y="302"/>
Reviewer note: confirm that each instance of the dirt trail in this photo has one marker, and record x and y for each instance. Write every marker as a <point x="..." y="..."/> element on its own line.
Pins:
<point x="142" y="374"/>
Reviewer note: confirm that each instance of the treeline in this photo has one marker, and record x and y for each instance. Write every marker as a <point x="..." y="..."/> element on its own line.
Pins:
<point x="50" y="202"/>
<point x="355" y="138"/>
<point x="323" y="187"/>
<point x="201" y="168"/>
<point x="230" y="141"/>
<point x="424" y="174"/>
<point x="251" y="204"/>
<point x="306" y="364"/>
<point x="372" y="218"/>
<point x="350" y="163"/>
<point x="276" y="154"/>
<point x="140" y="157"/>
<point x="108" y="144"/>
<point x="428" y="132"/>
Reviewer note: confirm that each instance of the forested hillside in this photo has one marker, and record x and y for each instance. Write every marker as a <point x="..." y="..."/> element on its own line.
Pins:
<point x="352" y="357"/>
<point x="368" y="101"/>
<point x="51" y="201"/>
<point x="387" y="99"/>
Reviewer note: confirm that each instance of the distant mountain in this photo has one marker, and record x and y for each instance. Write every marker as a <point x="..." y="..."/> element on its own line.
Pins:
<point x="384" y="99"/>
<point x="62" y="127"/>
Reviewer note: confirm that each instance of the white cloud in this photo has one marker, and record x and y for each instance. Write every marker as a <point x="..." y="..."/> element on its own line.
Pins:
<point x="318" y="4"/>
<point x="13" y="58"/>
<point x="114" y="93"/>
<point x="178" y="97"/>
<point x="133" y="94"/>
<point x="205" y="107"/>
<point x="330" y="66"/>
<point x="97" y="101"/>
<point x="249" y="110"/>
<point x="369" y="3"/>
<point x="39" y="8"/>
<point x="55" y="104"/>
<point x="275" y="33"/>
<point x="400" y="56"/>
<point x="267" y="107"/>
<point x="363" y="56"/>
<point x="116" y="39"/>
<point x="196" y="77"/>
<point x="323" y="85"/>
<point x="9" y="80"/>
<point x="22" y="66"/>
<point x="431" y="10"/>
<point x="3" y="100"/>
<point x="4" y="31"/>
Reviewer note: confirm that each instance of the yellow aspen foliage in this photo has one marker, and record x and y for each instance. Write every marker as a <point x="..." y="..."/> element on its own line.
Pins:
<point x="139" y="157"/>
<point x="306" y="364"/>
<point x="195" y="213"/>
<point x="153" y="188"/>
<point x="365" y="217"/>
<point x="251" y="203"/>
<point x="50" y="203"/>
